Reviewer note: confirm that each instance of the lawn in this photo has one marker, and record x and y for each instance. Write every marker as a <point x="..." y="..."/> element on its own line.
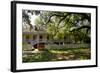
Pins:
<point x="64" y="54"/>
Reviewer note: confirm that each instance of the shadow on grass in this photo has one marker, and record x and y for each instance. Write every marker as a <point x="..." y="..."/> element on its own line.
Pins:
<point x="58" y="55"/>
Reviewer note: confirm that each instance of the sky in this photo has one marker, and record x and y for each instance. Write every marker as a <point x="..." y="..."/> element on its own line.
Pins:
<point x="33" y="17"/>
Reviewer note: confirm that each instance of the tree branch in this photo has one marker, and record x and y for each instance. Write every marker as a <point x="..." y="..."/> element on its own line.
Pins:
<point x="81" y="27"/>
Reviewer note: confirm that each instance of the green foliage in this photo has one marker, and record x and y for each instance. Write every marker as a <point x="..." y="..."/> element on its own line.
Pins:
<point x="59" y="24"/>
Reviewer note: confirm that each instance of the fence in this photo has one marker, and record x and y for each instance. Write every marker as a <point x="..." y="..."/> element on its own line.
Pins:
<point x="54" y="46"/>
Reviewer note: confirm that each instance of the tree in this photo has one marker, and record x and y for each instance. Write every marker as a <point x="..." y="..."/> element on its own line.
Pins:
<point x="60" y="24"/>
<point x="26" y="17"/>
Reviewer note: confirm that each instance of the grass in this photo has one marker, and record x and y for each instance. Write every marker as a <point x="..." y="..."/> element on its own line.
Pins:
<point x="64" y="54"/>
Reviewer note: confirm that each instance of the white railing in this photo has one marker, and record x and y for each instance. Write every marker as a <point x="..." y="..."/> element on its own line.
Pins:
<point x="54" y="46"/>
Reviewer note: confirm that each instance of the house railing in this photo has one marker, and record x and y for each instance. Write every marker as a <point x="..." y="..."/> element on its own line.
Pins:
<point x="55" y="46"/>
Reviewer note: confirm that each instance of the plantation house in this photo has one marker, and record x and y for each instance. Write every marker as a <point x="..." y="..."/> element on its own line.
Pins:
<point x="39" y="38"/>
